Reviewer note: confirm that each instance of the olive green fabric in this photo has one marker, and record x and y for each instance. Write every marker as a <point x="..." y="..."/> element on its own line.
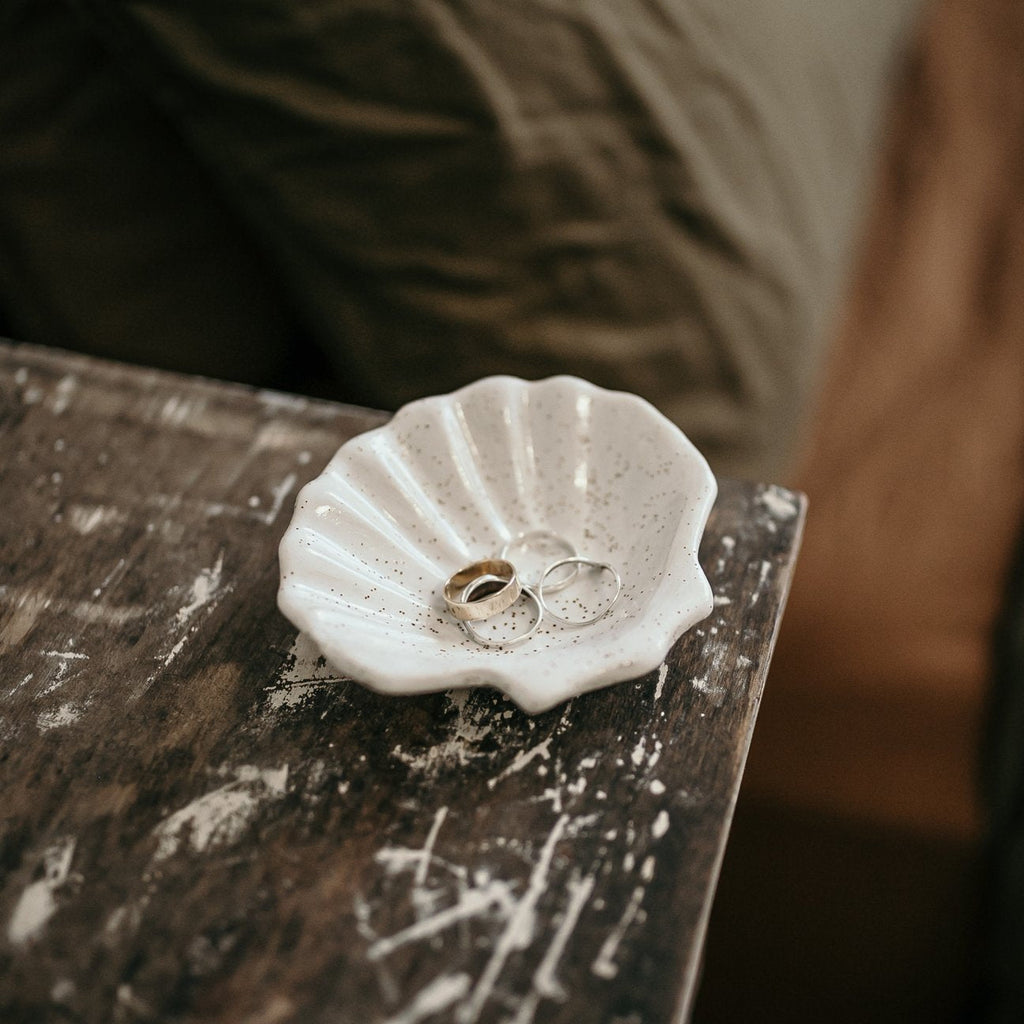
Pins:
<point x="112" y="237"/>
<point x="657" y="195"/>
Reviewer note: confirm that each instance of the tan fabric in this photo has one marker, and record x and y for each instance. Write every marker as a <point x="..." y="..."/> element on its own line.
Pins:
<point x="915" y="465"/>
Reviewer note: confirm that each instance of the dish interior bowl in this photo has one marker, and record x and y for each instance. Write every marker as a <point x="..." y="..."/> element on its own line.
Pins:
<point x="452" y="479"/>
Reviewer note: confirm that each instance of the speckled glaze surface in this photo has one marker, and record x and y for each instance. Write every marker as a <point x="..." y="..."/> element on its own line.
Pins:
<point x="449" y="480"/>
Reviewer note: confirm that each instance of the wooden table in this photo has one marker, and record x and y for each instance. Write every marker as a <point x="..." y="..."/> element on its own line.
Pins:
<point x="200" y="822"/>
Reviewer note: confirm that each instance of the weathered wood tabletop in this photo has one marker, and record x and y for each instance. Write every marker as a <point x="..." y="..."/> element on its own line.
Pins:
<point x="200" y="822"/>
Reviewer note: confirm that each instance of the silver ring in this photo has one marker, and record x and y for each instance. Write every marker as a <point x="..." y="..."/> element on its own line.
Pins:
<point x="474" y="585"/>
<point x="522" y="540"/>
<point x="458" y="594"/>
<point x="578" y="560"/>
<point x="468" y="626"/>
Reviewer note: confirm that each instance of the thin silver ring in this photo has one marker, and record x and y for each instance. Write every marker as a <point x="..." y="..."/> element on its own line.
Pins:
<point x="468" y="626"/>
<point x="523" y="539"/>
<point x="458" y="585"/>
<point x="578" y="560"/>
<point x="474" y="585"/>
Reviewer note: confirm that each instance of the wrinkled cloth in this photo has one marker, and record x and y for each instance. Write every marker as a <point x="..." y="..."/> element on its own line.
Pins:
<point x="657" y="195"/>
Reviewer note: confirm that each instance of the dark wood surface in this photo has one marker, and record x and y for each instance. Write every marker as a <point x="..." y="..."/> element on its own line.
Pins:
<point x="200" y="822"/>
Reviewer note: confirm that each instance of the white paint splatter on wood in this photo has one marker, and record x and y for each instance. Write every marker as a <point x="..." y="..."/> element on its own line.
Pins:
<point x="522" y="759"/>
<point x="462" y="745"/>
<point x="62" y="672"/>
<point x="280" y="435"/>
<point x="18" y="686"/>
<point x="277" y="401"/>
<point x="545" y="984"/>
<point x="204" y="589"/>
<point x="662" y="676"/>
<point x="178" y="409"/>
<point x="133" y="1004"/>
<point x="205" y="593"/>
<point x="518" y="931"/>
<point x="63" y="990"/>
<point x="221" y="816"/>
<point x="491" y="894"/>
<point x="766" y="567"/>
<point x="107" y="614"/>
<point x="661" y="823"/>
<point x="37" y="904"/>
<point x="483" y="896"/>
<point x="62" y="394"/>
<point x="439" y="995"/>
<point x="84" y="519"/>
<point x="66" y="656"/>
<point x="305" y="673"/>
<point x="779" y="503"/>
<point x="715" y="691"/>
<point x="604" y="965"/>
<point x="420" y="878"/>
<point x="126" y="919"/>
<point x="655" y="754"/>
<point x="639" y="752"/>
<point x="66" y="714"/>
<point x="423" y="899"/>
<point x="279" y="495"/>
<point x="28" y="606"/>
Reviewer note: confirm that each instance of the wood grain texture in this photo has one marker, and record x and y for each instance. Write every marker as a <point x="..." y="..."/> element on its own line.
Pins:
<point x="201" y="822"/>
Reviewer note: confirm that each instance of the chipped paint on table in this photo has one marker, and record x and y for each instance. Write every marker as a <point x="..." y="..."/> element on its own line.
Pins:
<point x="201" y="821"/>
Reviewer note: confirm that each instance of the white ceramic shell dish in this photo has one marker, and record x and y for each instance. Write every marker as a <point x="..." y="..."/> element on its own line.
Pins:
<point x="448" y="480"/>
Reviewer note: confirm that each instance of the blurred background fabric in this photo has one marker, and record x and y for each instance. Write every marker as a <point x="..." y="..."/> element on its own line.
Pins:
<point x="870" y="875"/>
<point x="383" y="199"/>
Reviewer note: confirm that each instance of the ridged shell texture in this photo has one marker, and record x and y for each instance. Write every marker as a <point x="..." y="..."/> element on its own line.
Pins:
<point x="449" y="480"/>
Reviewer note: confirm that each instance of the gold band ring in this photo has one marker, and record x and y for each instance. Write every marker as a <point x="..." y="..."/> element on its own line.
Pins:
<point x="459" y="599"/>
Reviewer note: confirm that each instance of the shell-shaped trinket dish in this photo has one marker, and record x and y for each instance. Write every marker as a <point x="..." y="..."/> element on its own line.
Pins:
<point x="452" y="479"/>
